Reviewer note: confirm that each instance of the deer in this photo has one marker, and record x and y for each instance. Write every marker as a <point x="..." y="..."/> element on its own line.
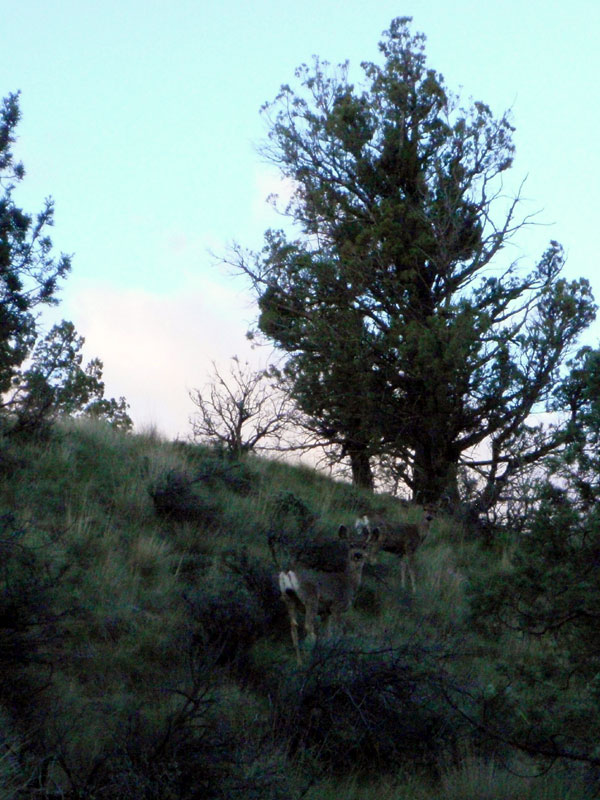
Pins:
<point x="402" y="539"/>
<point x="323" y="585"/>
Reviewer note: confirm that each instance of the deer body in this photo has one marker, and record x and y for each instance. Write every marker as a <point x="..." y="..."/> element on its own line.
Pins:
<point x="403" y="539"/>
<point x="316" y="589"/>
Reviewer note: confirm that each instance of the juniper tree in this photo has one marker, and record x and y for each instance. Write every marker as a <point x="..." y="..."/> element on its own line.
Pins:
<point x="549" y="594"/>
<point x="29" y="272"/>
<point x="56" y="383"/>
<point x="41" y="376"/>
<point x="407" y="332"/>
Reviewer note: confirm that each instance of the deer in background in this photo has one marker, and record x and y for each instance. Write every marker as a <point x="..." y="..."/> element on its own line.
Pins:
<point x="323" y="585"/>
<point x="402" y="539"/>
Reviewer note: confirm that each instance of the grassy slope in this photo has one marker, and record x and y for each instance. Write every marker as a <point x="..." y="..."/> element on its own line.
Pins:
<point x="154" y="652"/>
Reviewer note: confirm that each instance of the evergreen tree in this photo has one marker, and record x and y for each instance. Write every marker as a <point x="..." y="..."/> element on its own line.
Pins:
<point x="56" y="384"/>
<point x="550" y="593"/>
<point x="29" y="273"/>
<point x="406" y="336"/>
<point x="41" y="377"/>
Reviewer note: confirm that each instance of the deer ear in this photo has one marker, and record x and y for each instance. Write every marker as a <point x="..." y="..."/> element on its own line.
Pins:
<point x="343" y="532"/>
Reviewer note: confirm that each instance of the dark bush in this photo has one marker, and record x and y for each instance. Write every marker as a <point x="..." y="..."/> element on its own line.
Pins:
<point x="259" y="580"/>
<point x="356" y="710"/>
<point x="235" y="476"/>
<point x="175" y="500"/>
<point x="215" y="468"/>
<point x="28" y="621"/>
<point x="291" y="513"/>
<point x="368" y="599"/>
<point x="294" y="533"/>
<point x="228" y="619"/>
<point x="184" y="750"/>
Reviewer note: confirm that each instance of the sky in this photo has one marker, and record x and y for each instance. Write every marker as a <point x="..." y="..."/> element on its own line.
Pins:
<point x="141" y="119"/>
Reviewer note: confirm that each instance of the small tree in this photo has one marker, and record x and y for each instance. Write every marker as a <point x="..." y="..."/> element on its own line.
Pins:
<point x="40" y="378"/>
<point x="29" y="274"/>
<point x="56" y="384"/>
<point x="242" y="411"/>
<point x="404" y="336"/>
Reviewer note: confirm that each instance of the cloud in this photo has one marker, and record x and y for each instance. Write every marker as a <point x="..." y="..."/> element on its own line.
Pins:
<point x="156" y="348"/>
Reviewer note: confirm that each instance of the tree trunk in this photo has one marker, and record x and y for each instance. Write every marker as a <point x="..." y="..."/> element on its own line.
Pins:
<point x="362" y="475"/>
<point x="435" y="476"/>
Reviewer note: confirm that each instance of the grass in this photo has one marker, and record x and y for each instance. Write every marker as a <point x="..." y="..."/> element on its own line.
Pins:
<point x="473" y="780"/>
<point x="488" y="780"/>
<point x="154" y="649"/>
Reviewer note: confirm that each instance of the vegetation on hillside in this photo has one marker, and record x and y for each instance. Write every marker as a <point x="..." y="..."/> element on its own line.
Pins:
<point x="145" y="651"/>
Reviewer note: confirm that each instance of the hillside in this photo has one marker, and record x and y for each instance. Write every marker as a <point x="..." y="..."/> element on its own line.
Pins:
<point x="145" y="651"/>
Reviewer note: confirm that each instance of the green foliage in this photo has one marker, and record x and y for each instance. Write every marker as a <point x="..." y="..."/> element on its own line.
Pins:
<point x="474" y="779"/>
<point x="402" y="339"/>
<point x="174" y="499"/>
<point x="549" y="595"/>
<point x="193" y="495"/>
<point x="29" y="274"/>
<point x="143" y="657"/>
<point x="579" y="464"/>
<point x="258" y="579"/>
<point x="214" y="470"/>
<point x="28" y="620"/>
<point x="56" y="384"/>
<point x="365" y="709"/>
<point x="228" y="619"/>
<point x="292" y="513"/>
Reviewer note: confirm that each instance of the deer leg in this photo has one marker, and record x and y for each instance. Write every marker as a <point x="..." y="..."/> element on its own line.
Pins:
<point x="334" y="623"/>
<point x="411" y="573"/>
<point x="309" y="622"/>
<point x="403" y="573"/>
<point x="291" y="607"/>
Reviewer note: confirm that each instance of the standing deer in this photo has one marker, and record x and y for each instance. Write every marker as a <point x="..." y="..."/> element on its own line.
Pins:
<point x="402" y="538"/>
<point x="326" y="586"/>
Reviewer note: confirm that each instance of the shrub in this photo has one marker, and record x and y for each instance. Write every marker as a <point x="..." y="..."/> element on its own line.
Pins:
<point x="28" y="620"/>
<point x="173" y="744"/>
<point x="214" y="468"/>
<point x="227" y="619"/>
<point x="291" y="512"/>
<point x="371" y="711"/>
<point x="235" y="476"/>
<point x="259" y="580"/>
<point x="174" y="500"/>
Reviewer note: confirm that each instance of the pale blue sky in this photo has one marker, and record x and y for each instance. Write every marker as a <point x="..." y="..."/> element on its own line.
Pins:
<point x="140" y="118"/>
